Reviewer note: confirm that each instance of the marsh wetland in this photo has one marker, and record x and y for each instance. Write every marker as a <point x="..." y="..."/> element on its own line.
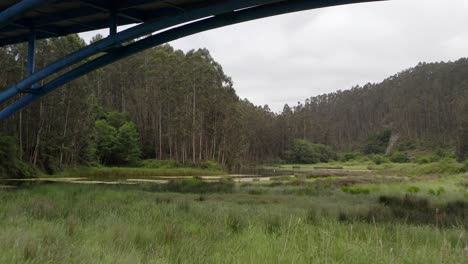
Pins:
<point x="342" y="212"/>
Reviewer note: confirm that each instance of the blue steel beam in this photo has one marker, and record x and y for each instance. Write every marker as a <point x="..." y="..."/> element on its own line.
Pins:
<point x="166" y="36"/>
<point x="130" y="34"/>
<point x="18" y="10"/>
<point x="31" y="53"/>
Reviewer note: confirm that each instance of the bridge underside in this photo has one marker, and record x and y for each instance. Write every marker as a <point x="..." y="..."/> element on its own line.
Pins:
<point x="29" y="20"/>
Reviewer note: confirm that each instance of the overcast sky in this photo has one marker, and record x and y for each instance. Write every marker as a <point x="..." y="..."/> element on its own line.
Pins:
<point x="286" y="59"/>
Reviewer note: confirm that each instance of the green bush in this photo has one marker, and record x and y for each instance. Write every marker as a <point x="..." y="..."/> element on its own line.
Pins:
<point x="159" y="164"/>
<point x="117" y="141"/>
<point x="209" y="165"/>
<point x="379" y="159"/>
<point x="377" y="144"/>
<point x="437" y="192"/>
<point x="348" y="156"/>
<point x="425" y="159"/>
<point x="440" y="191"/>
<point x="305" y="152"/>
<point x="444" y="166"/>
<point x="399" y="157"/>
<point x="462" y="146"/>
<point x="171" y="164"/>
<point x="413" y="189"/>
<point x="406" y="145"/>
<point x="444" y="153"/>
<point x="10" y="165"/>
<point x="355" y="190"/>
<point x="465" y="167"/>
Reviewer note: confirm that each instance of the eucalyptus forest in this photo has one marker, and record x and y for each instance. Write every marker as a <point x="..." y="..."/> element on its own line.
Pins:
<point x="183" y="106"/>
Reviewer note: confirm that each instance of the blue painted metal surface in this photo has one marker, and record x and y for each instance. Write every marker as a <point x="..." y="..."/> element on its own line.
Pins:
<point x="16" y="11"/>
<point x="215" y="16"/>
<point x="31" y="53"/>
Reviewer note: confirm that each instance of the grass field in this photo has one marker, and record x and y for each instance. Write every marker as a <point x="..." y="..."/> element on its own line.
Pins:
<point x="115" y="172"/>
<point x="301" y="219"/>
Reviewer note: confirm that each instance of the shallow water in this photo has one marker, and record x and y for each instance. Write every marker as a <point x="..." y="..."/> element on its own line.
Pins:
<point x="19" y="183"/>
<point x="243" y="175"/>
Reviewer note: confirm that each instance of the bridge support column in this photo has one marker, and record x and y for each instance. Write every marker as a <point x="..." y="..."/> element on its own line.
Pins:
<point x="113" y="23"/>
<point x="31" y="53"/>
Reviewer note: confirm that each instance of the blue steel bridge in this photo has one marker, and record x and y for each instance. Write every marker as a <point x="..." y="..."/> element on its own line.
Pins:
<point x="167" y="20"/>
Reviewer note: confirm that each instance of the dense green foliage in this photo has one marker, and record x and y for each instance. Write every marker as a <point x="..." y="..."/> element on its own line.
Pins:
<point x="100" y="173"/>
<point x="377" y="144"/>
<point x="304" y="152"/>
<point x="184" y="107"/>
<point x="399" y="157"/>
<point x="204" y="164"/>
<point x="117" y="140"/>
<point x="462" y="150"/>
<point x="10" y="165"/>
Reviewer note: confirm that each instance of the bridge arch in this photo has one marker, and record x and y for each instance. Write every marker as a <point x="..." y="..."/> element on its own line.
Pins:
<point x="170" y="26"/>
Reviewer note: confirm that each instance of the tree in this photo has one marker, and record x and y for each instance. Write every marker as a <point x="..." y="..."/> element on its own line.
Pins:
<point x="106" y="141"/>
<point x="10" y="165"/>
<point x="128" y="144"/>
<point x="304" y="152"/>
<point x="462" y="147"/>
<point x="377" y="144"/>
<point x="117" y="140"/>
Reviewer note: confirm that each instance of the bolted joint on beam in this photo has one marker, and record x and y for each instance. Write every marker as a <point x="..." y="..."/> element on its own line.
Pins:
<point x="36" y="90"/>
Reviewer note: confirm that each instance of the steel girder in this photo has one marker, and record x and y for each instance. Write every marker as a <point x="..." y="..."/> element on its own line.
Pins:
<point x="16" y="11"/>
<point x="216" y="16"/>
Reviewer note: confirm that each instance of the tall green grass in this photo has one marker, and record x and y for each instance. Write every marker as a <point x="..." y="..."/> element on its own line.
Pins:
<point x="100" y="224"/>
<point x="124" y="172"/>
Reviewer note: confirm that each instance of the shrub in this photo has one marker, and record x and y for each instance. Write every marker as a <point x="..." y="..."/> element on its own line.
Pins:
<point x="413" y="189"/>
<point x="440" y="191"/>
<point x="349" y="156"/>
<point x="462" y="146"/>
<point x="379" y="159"/>
<point x="209" y="165"/>
<point x="444" y="166"/>
<point x="444" y="153"/>
<point x="10" y="165"/>
<point x="305" y="152"/>
<point x="412" y="210"/>
<point x="171" y="164"/>
<point x="377" y="144"/>
<point x="425" y="159"/>
<point x="465" y="167"/>
<point x="399" y="157"/>
<point x="128" y="144"/>
<point x="437" y="192"/>
<point x="406" y="145"/>
<point x="355" y="190"/>
<point x="159" y="164"/>
<point x="117" y="145"/>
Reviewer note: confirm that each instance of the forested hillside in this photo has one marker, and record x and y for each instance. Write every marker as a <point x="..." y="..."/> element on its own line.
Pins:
<point x="168" y="104"/>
